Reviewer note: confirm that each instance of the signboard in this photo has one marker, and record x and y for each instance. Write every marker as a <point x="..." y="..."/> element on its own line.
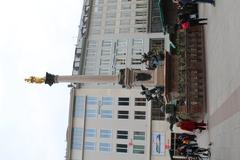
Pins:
<point x="158" y="143"/>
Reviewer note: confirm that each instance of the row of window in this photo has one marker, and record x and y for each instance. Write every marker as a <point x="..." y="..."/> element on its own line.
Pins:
<point x="97" y="31"/>
<point x="108" y="114"/>
<point x="97" y="2"/>
<point x="122" y="101"/>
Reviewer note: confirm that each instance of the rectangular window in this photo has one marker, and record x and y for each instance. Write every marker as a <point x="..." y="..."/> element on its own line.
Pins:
<point x="137" y="42"/>
<point x="137" y="135"/>
<point x="124" y="30"/>
<point x="105" y="147"/>
<point x="141" y="21"/>
<point x="91" y="113"/>
<point x="140" y="29"/>
<point x="111" y="7"/>
<point x="106" y="113"/>
<point x="123" y="101"/>
<point x="104" y="62"/>
<point x="124" y="21"/>
<point x="137" y="51"/>
<point x="123" y="114"/>
<point x="125" y="6"/>
<point x="91" y="146"/>
<point x="95" y="30"/>
<point x="125" y="14"/>
<point x="122" y="43"/>
<point x="110" y="22"/>
<point x="122" y="148"/>
<point x="140" y="101"/>
<point x="79" y="106"/>
<point x="107" y="43"/>
<point x="109" y="31"/>
<point x="120" y="61"/>
<point x="138" y="149"/>
<point x="97" y="9"/>
<point x="122" y="134"/>
<point x="107" y="100"/>
<point x="105" y="52"/>
<point x="105" y="133"/>
<point x="96" y="2"/>
<point x="121" y="52"/>
<point x="111" y="15"/>
<point x="112" y="1"/>
<point x="92" y="44"/>
<point x="104" y="71"/>
<point x="136" y="61"/>
<point x="96" y="23"/>
<point x="141" y="13"/>
<point x="141" y="5"/>
<point x="91" y="100"/>
<point x="140" y="115"/>
<point x="77" y="134"/>
<point x="90" y="132"/>
<point x="97" y="16"/>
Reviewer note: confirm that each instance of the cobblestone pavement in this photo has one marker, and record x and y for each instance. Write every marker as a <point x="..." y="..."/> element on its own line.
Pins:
<point x="222" y="40"/>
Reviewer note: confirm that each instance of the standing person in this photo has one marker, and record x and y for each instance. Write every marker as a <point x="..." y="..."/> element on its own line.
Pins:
<point x="185" y="2"/>
<point x="189" y="125"/>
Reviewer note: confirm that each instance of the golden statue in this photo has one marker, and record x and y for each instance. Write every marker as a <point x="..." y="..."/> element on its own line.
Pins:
<point x="33" y="79"/>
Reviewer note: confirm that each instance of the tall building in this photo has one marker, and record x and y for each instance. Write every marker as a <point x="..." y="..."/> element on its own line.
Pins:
<point x="106" y="121"/>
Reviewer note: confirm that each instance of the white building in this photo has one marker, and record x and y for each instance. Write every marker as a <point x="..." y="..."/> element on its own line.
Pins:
<point x="106" y="121"/>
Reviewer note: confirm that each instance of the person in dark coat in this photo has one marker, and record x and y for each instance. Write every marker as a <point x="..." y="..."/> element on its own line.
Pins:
<point x="185" y="2"/>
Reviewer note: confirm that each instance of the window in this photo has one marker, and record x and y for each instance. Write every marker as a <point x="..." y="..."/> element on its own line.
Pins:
<point x="111" y="7"/>
<point x="111" y="14"/>
<point x="105" y="52"/>
<point x="137" y="42"/>
<point x="140" y="101"/>
<point x="136" y="61"/>
<point x="121" y="43"/>
<point x="140" y="21"/>
<point x="107" y="43"/>
<point x="107" y="100"/>
<point x="91" y="100"/>
<point x="125" y="14"/>
<point x="105" y="147"/>
<point x="122" y="148"/>
<point x="123" y="101"/>
<point x="77" y="134"/>
<point x="140" y="115"/>
<point x="137" y="51"/>
<point x="97" y="16"/>
<point x="106" y="113"/>
<point x="141" y="5"/>
<point x="140" y="29"/>
<point x="96" y="2"/>
<point x="120" y="61"/>
<point x="90" y="132"/>
<point x="105" y="133"/>
<point x="110" y="23"/>
<point x="104" y="71"/>
<point x="138" y="149"/>
<point x="109" y="30"/>
<point x="97" y="9"/>
<point x="92" y="44"/>
<point x="124" y="30"/>
<point x="96" y="23"/>
<point x="91" y="113"/>
<point x="79" y="106"/>
<point x="124" y="21"/>
<point x="91" y="52"/>
<point x="126" y="6"/>
<point x="89" y="146"/>
<point x="95" y="30"/>
<point x="123" y="114"/>
<point x="137" y="135"/>
<point x="112" y="1"/>
<point x="121" y="52"/>
<point x="122" y="134"/>
<point x="104" y="62"/>
<point x="141" y="13"/>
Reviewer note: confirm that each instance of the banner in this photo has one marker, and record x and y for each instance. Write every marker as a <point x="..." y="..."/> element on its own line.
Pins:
<point x="158" y="143"/>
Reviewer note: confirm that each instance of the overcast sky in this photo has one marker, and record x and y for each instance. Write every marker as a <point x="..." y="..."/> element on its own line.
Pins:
<point x="36" y="36"/>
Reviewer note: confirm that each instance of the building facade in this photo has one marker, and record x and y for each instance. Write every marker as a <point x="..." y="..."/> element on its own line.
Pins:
<point x="106" y="121"/>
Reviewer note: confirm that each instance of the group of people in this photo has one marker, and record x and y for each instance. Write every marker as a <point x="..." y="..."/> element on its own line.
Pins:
<point x="152" y="59"/>
<point x="187" y="15"/>
<point x="187" y="146"/>
<point x="155" y="93"/>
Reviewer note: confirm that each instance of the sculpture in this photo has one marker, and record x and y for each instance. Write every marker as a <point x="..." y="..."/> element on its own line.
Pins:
<point x="33" y="79"/>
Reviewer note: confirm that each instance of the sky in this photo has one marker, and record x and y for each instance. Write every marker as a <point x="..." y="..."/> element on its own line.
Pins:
<point x="36" y="36"/>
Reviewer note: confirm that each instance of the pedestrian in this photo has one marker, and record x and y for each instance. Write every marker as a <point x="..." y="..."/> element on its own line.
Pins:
<point x="189" y="125"/>
<point x="185" y="2"/>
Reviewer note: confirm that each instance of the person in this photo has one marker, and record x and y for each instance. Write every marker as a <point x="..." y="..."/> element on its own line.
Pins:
<point x="156" y="92"/>
<point x="189" y="125"/>
<point x="185" y="2"/>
